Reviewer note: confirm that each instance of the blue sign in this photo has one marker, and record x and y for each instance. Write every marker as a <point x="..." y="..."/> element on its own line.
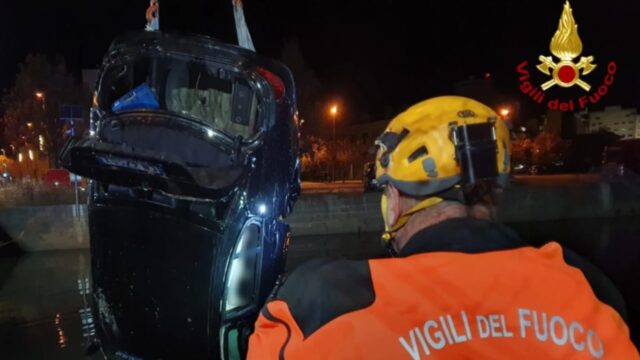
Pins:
<point x="72" y="131"/>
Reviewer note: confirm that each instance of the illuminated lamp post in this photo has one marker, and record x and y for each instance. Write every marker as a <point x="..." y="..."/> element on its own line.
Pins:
<point x="334" y="113"/>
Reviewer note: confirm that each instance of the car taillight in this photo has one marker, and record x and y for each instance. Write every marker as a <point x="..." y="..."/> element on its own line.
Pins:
<point x="276" y="83"/>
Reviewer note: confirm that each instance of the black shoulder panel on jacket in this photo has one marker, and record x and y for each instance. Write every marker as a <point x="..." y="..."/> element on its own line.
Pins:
<point x="602" y="286"/>
<point x="322" y="290"/>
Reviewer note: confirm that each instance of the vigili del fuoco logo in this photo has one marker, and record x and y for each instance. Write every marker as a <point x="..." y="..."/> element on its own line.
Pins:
<point x="564" y="71"/>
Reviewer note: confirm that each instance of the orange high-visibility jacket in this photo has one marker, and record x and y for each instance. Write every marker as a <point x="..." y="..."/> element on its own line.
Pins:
<point x="486" y="297"/>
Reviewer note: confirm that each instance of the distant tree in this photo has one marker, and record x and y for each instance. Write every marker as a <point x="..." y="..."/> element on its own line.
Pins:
<point x="521" y="150"/>
<point x="349" y="154"/>
<point x="315" y="157"/>
<point x="547" y="149"/>
<point x="27" y="116"/>
<point x="306" y="164"/>
<point x="321" y="152"/>
<point x="319" y="156"/>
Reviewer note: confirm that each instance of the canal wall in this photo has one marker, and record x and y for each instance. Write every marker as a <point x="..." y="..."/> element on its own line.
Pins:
<point x="41" y="228"/>
<point x="528" y="199"/>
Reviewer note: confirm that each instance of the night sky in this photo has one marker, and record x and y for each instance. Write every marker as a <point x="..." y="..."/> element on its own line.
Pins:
<point x="372" y="55"/>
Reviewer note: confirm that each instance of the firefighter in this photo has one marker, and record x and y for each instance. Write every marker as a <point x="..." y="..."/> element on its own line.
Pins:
<point x="461" y="286"/>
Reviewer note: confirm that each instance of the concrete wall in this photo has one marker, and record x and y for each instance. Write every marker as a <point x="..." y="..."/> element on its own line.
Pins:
<point x="528" y="199"/>
<point x="344" y="213"/>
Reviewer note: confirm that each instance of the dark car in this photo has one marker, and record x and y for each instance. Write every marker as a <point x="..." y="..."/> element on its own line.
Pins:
<point x="193" y="155"/>
<point x="57" y="178"/>
<point x="369" y="178"/>
<point x="5" y="179"/>
<point x="5" y="176"/>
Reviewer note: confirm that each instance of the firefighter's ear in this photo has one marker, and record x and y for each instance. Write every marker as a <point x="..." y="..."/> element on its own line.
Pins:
<point x="394" y="209"/>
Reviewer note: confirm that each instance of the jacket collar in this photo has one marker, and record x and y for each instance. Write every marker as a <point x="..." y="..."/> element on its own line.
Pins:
<point x="464" y="235"/>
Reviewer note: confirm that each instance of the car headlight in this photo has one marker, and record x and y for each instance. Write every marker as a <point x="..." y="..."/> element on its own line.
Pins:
<point x="240" y="287"/>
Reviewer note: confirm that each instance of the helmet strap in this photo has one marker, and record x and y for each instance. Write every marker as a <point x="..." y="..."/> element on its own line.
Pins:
<point x="389" y="235"/>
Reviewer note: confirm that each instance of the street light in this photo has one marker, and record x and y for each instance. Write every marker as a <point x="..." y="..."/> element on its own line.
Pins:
<point x="505" y="112"/>
<point x="40" y="96"/>
<point x="334" y="113"/>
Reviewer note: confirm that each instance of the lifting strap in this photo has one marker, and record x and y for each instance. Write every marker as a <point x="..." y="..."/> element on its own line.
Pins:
<point x="153" y="16"/>
<point x="242" y="30"/>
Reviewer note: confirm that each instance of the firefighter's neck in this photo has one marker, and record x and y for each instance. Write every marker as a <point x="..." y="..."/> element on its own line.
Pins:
<point x="434" y="215"/>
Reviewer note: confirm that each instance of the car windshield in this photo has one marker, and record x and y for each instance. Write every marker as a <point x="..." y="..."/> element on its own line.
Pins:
<point x="221" y="99"/>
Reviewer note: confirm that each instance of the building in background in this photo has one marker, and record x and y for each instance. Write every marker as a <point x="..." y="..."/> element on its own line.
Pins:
<point x="533" y="126"/>
<point x="581" y="121"/>
<point x="553" y="122"/>
<point x="623" y="122"/>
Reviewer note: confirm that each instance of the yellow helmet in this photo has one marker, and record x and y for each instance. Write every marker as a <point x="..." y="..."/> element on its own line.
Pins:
<point x="441" y="143"/>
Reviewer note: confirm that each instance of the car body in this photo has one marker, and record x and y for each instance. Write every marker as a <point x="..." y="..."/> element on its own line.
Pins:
<point x="4" y="180"/>
<point x="369" y="181"/>
<point x="193" y="152"/>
